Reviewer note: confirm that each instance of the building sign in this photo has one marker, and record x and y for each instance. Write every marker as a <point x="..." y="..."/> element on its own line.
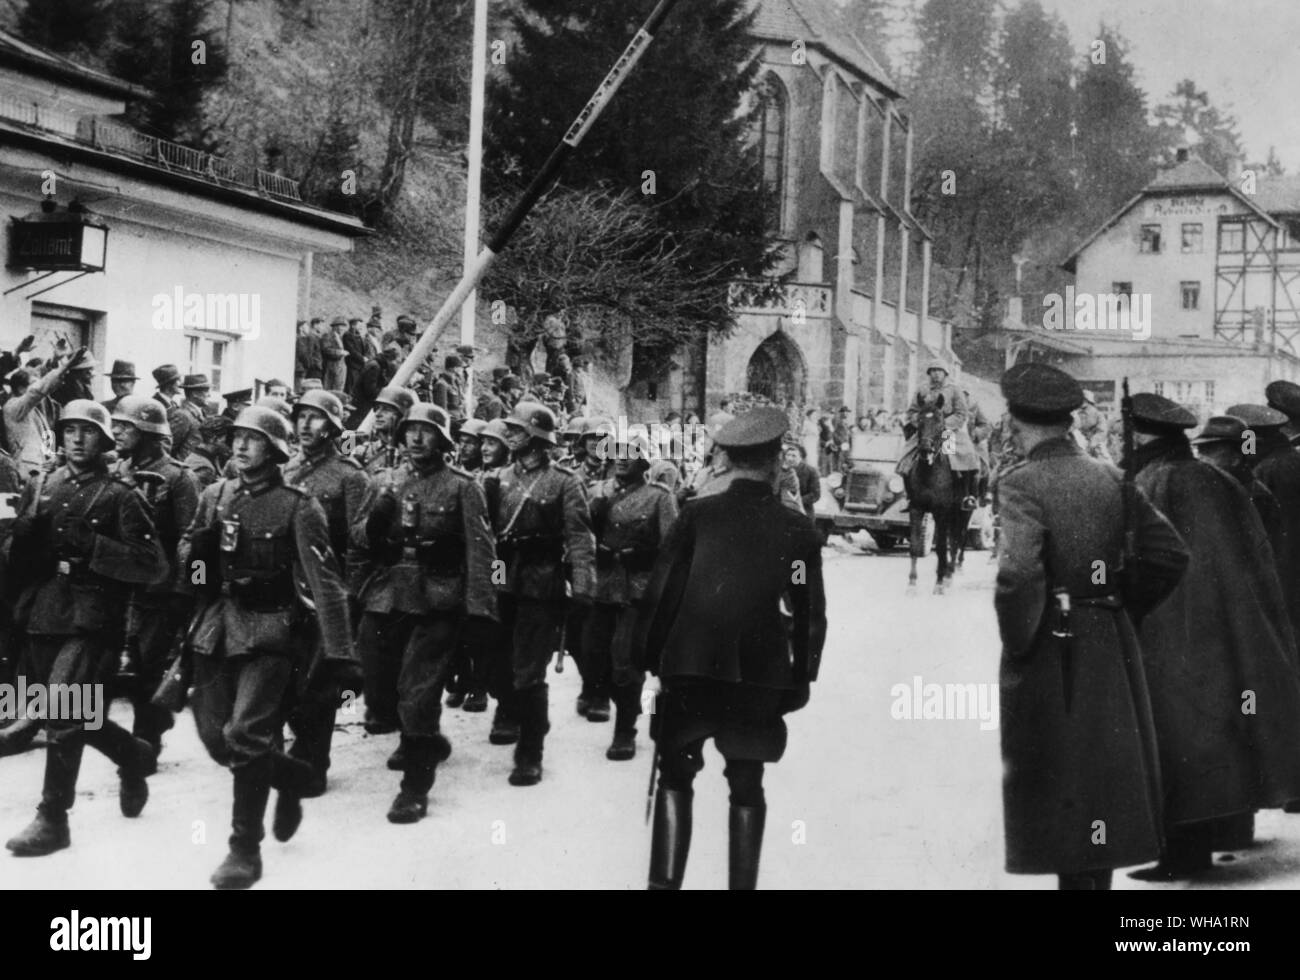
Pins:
<point x="1187" y="206"/>
<point x="68" y="243"/>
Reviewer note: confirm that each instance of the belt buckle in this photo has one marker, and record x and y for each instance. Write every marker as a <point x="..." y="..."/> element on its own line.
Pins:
<point x="65" y="567"/>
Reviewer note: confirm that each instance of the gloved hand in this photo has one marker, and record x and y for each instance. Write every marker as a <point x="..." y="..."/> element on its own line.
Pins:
<point x="796" y="699"/>
<point x="383" y="514"/>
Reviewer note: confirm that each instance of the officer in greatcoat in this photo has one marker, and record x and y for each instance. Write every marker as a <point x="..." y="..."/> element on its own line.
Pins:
<point x="1081" y="782"/>
<point x="1231" y="442"/>
<point x="84" y="539"/>
<point x="539" y="512"/>
<point x="265" y="550"/>
<point x="339" y="485"/>
<point x="1221" y="642"/>
<point x="158" y="611"/>
<point x="432" y="548"/>
<point x="631" y="518"/>
<point x="1277" y="466"/>
<point x="731" y="660"/>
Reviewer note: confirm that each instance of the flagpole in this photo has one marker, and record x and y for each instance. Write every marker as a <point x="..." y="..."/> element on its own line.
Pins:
<point x="474" y="182"/>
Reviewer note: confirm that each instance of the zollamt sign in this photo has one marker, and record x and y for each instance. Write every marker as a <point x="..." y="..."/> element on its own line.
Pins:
<point x="58" y="242"/>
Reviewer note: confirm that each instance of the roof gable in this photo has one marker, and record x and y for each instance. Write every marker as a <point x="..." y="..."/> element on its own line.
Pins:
<point x="820" y="23"/>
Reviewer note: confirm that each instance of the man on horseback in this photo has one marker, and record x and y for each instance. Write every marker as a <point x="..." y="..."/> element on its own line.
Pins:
<point x="962" y="458"/>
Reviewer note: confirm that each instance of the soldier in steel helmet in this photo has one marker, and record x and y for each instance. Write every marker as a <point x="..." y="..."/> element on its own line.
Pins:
<point x="492" y="447"/>
<point x="469" y="451"/>
<point x="158" y="611"/>
<point x="631" y="518"/>
<point x="732" y="662"/>
<point x="85" y="539"/>
<point x="539" y="512"/>
<point x="339" y="485"/>
<point x="384" y="452"/>
<point x="432" y="549"/>
<point x="264" y="548"/>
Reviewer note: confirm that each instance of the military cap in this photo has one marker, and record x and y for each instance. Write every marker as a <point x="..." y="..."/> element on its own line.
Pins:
<point x="1040" y="393"/>
<point x="275" y="383"/>
<point x="195" y="381"/>
<point x="1284" y="396"/>
<point x="1221" y="428"/>
<point x="165" y="374"/>
<point x="541" y="378"/>
<point x="756" y="427"/>
<point x="1158" y="413"/>
<point x="511" y="381"/>
<point x="452" y="361"/>
<point x="310" y="384"/>
<point x="317" y="319"/>
<point x="242" y="395"/>
<point x="339" y="321"/>
<point x="1257" y="416"/>
<point x="500" y="372"/>
<point x="466" y="350"/>
<point x="405" y="321"/>
<point x="937" y="366"/>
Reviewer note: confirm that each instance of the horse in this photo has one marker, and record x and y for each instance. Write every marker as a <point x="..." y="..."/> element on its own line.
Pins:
<point x="932" y="488"/>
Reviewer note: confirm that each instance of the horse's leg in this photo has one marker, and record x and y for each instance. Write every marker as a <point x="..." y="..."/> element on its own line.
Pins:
<point x="916" y="538"/>
<point x="961" y="525"/>
<point x="941" y="552"/>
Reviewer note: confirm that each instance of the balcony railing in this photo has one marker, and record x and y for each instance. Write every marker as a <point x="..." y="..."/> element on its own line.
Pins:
<point x="160" y="153"/>
<point x="783" y="299"/>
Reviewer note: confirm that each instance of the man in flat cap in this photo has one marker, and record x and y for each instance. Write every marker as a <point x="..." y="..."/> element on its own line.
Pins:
<point x="1222" y="634"/>
<point x="446" y="392"/>
<point x="122" y="380"/>
<point x="731" y="660"/>
<point x="1077" y="745"/>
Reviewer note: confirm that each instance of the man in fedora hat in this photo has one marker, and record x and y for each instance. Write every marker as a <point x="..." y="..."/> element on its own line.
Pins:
<point x="168" y="379"/>
<point x="186" y="417"/>
<point x="78" y="383"/>
<point x="333" y="354"/>
<point x="122" y="379"/>
<point x="355" y="360"/>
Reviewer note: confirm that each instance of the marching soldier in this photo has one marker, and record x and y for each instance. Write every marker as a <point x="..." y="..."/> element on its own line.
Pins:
<point x="339" y="485"/>
<point x="85" y="539"/>
<point x="493" y="448"/>
<point x="631" y="518"/>
<point x="467" y="684"/>
<point x="539" y="512"/>
<point x="732" y="664"/>
<point x="383" y="452"/>
<point x="429" y="537"/>
<point x="1223" y="632"/>
<point x="156" y="612"/>
<point x="259" y="542"/>
<point x="1077" y="741"/>
<point x="469" y="454"/>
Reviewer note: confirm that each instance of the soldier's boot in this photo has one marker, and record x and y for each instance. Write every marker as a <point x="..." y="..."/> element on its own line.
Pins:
<point x="242" y="867"/>
<point x="598" y="706"/>
<point x="49" y="831"/>
<point x="505" y="726"/>
<point x="746" y="844"/>
<point x="397" y="761"/>
<point x="150" y="723"/>
<point x="583" y="704"/>
<point x="533" y="726"/>
<point x="18" y="736"/>
<point x="136" y="760"/>
<point x="423" y="755"/>
<point x="315" y="735"/>
<point x="627" y="705"/>
<point x="671" y="840"/>
<point x="476" y="701"/>
<point x="292" y="779"/>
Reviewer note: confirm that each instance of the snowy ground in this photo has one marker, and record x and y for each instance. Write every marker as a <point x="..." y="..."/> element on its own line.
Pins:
<point x="861" y="800"/>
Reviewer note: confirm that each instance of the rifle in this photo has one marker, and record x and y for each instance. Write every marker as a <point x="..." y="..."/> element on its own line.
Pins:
<point x="175" y="686"/>
<point x="1128" y="557"/>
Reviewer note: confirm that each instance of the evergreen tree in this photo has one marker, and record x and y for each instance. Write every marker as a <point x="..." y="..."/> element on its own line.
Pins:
<point x="66" y="26"/>
<point x="674" y="137"/>
<point x="1190" y="117"/>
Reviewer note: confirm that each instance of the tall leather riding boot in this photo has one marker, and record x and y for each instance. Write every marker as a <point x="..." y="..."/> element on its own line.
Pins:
<point x="242" y="867"/>
<point x="150" y="722"/>
<point x="292" y="779"/>
<point x="534" y="723"/>
<point x="135" y="760"/>
<point x="746" y="826"/>
<point x="671" y="840"/>
<point x="314" y="733"/>
<point x="49" y="831"/>
<point x="505" y="721"/>
<point x="423" y="754"/>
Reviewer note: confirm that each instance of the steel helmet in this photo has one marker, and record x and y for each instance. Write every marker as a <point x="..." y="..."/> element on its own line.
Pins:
<point x="577" y="427"/>
<point x="324" y="402"/>
<point x="599" y="428"/>
<point x="634" y="447"/>
<point x="495" y="429"/>
<point x="535" y="419"/>
<point x="269" y="423"/>
<point x="277" y="404"/>
<point x="146" y="414"/>
<point x="937" y="365"/>
<point x="472" y="427"/>
<point x="400" y="399"/>
<point x="428" y="414"/>
<point x="85" y="410"/>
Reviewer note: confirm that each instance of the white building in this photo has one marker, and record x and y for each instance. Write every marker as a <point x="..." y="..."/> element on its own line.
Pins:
<point x="226" y="246"/>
